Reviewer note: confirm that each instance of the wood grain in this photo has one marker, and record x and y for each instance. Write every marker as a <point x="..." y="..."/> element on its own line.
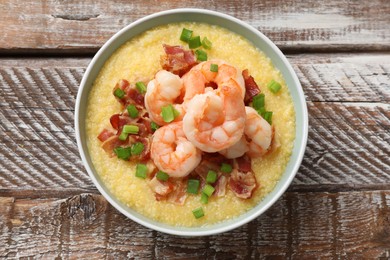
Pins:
<point x="352" y="225"/>
<point x="349" y="135"/>
<point x="295" y="26"/>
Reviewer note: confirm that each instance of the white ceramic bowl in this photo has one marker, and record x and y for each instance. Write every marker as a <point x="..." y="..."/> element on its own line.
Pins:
<point x="237" y="26"/>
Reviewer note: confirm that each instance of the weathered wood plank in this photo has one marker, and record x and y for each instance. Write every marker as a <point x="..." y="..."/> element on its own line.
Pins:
<point x="82" y="27"/>
<point x="352" y="225"/>
<point x="348" y="143"/>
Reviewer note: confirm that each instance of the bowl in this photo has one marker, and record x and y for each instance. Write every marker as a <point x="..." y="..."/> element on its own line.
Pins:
<point x="234" y="25"/>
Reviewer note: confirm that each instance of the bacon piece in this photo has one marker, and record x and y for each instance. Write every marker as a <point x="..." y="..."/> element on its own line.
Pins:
<point x="179" y="194"/>
<point x="220" y="186"/>
<point x="242" y="183"/>
<point x="251" y="87"/>
<point x="161" y="188"/>
<point x="171" y="191"/>
<point x="111" y="143"/>
<point x="244" y="164"/>
<point x="119" y="120"/>
<point x="177" y="60"/>
<point x="105" y="134"/>
<point x="145" y="155"/>
<point x="132" y="96"/>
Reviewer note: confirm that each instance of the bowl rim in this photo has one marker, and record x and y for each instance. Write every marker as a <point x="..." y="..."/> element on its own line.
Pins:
<point x="171" y="229"/>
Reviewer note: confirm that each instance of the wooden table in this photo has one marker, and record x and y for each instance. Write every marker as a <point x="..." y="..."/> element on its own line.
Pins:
<point x="338" y="205"/>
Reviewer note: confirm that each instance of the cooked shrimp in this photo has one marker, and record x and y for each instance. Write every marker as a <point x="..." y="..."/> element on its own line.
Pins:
<point x="162" y="91"/>
<point x="199" y="76"/>
<point x="256" y="140"/>
<point x="172" y="152"/>
<point x="215" y="120"/>
<point x="236" y="150"/>
<point x="258" y="133"/>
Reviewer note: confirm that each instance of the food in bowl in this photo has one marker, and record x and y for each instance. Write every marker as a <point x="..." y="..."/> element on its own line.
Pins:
<point x="190" y="131"/>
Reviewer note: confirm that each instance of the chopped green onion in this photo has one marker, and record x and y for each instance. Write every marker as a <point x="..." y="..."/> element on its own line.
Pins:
<point x="169" y="113"/>
<point x="261" y="111"/>
<point x="208" y="190"/>
<point x="123" y="153"/>
<point x="119" y="93"/>
<point x="201" y="55"/>
<point x="162" y="176"/>
<point x="226" y="168"/>
<point x="214" y="67"/>
<point x="185" y="35"/>
<point x="206" y="43"/>
<point x="274" y="86"/>
<point x="258" y="101"/>
<point x="198" y="213"/>
<point x="193" y="186"/>
<point x="141" y="87"/>
<point x="123" y="136"/>
<point x="194" y="42"/>
<point x="154" y="126"/>
<point x="211" y="177"/>
<point x="132" y="110"/>
<point x="130" y="129"/>
<point x="204" y="199"/>
<point x="268" y="117"/>
<point x="141" y="170"/>
<point x="137" y="148"/>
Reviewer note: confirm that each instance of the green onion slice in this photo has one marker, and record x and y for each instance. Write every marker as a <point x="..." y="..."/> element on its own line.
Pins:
<point x="123" y="136"/>
<point x="133" y="111"/>
<point x="258" y="101"/>
<point x="194" y="42"/>
<point x="141" y="170"/>
<point x="119" y="93"/>
<point x="169" y="113"/>
<point x="268" y="117"/>
<point x="130" y="129"/>
<point x="137" y="148"/>
<point x="261" y="111"/>
<point x="211" y="177"/>
<point x="198" y="213"/>
<point x="208" y="190"/>
<point x="193" y="186"/>
<point x="226" y="168"/>
<point x="162" y="176"/>
<point x="201" y="55"/>
<point x="214" y="67"/>
<point x="154" y="126"/>
<point x="141" y="87"/>
<point x="274" y="86"/>
<point x="185" y="35"/>
<point x="204" y="199"/>
<point x="206" y="43"/>
<point x="123" y="153"/>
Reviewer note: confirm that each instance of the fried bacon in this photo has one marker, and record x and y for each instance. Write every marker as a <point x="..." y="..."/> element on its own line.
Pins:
<point x="242" y="180"/>
<point x="251" y="87"/>
<point x="132" y="96"/>
<point x="177" y="60"/>
<point x="105" y="134"/>
<point x="171" y="191"/>
<point x="220" y="186"/>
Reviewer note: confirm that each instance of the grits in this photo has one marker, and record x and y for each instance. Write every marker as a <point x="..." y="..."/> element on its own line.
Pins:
<point x="139" y="59"/>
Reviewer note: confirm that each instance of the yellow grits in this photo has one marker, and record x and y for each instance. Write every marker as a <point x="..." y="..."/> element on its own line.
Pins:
<point x="138" y="59"/>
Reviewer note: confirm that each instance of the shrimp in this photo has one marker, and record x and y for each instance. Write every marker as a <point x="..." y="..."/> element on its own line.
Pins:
<point x="199" y="76"/>
<point x="236" y="150"/>
<point x="256" y="140"/>
<point x="215" y="120"/>
<point x="172" y="152"/>
<point x="165" y="89"/>
<point x="258" y="133"/>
